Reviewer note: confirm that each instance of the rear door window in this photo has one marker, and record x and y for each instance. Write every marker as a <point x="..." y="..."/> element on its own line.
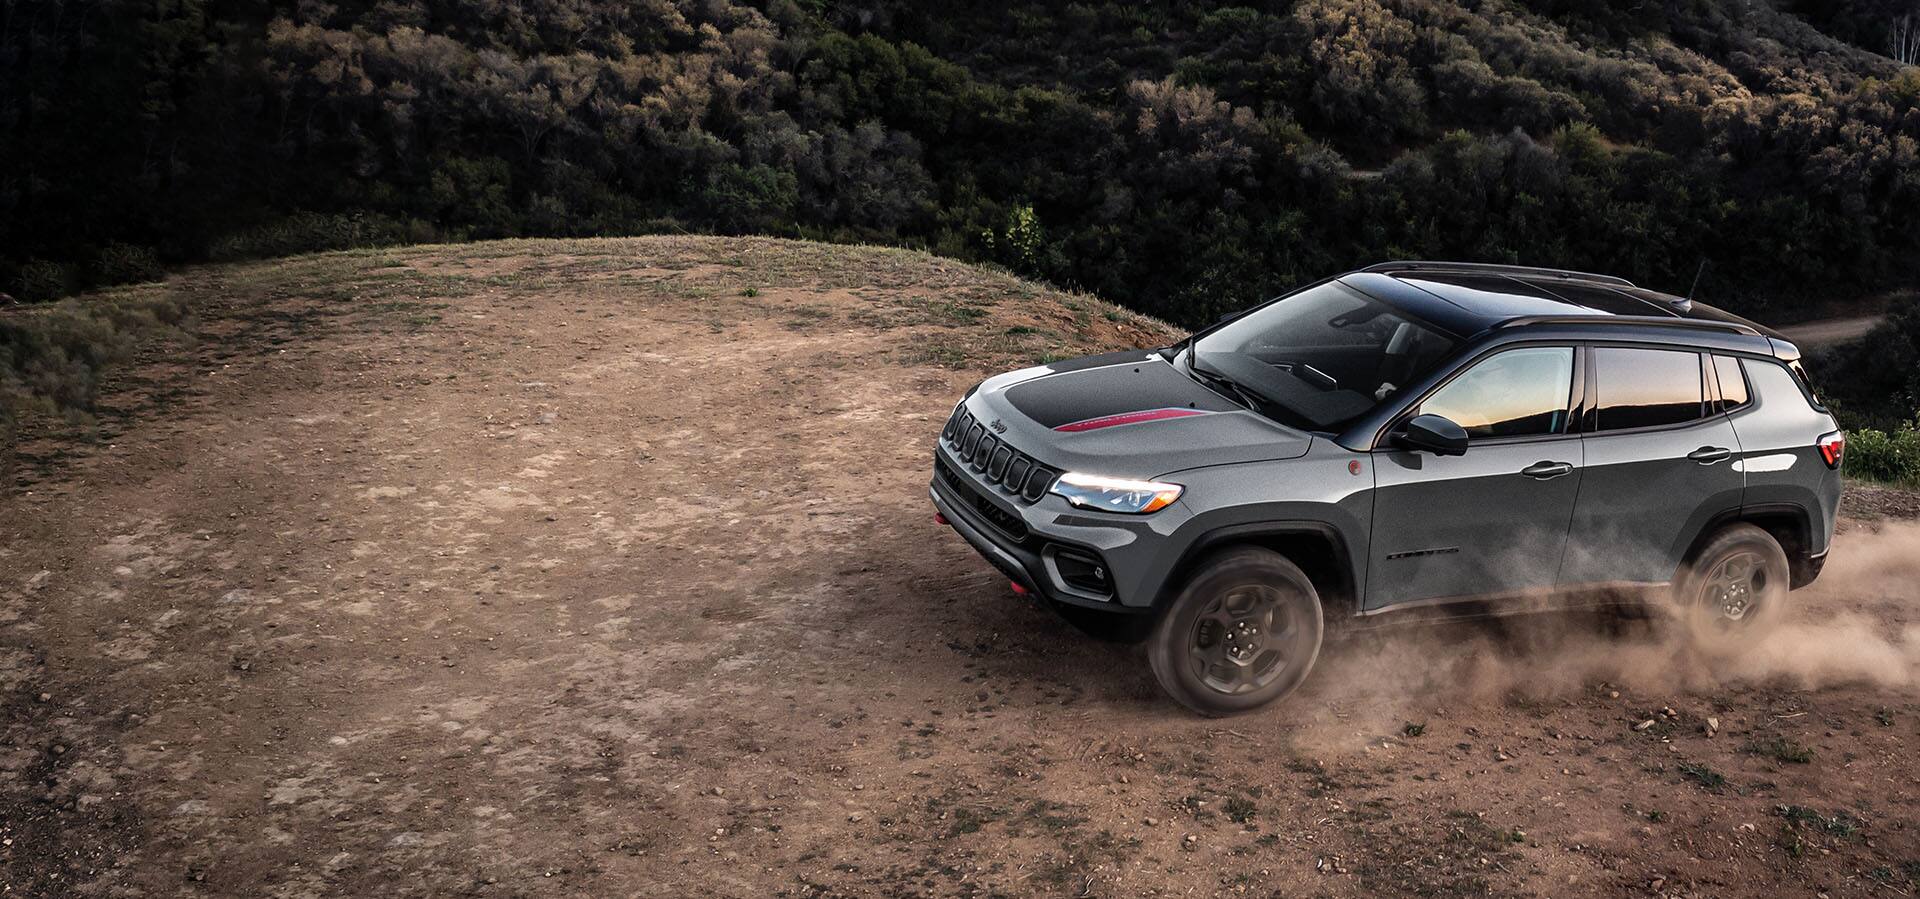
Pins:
<point x="1646" y="388"/>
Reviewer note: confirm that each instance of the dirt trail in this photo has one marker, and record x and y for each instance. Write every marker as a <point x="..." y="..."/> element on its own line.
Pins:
<point x="606" y="568"/>
<point x="1833" y="330"/>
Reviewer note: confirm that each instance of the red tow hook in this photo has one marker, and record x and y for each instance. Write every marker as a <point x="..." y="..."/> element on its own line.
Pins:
<point x="940" y="519"/>
<point x="1017" y="589"/>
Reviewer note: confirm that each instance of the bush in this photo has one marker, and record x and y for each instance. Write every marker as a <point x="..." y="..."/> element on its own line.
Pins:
<point x="39" y="281"/>
<point x="310" y="232"/>
<point x="120" y="263"/>
<point x="51" y="358"/>
<point x="1891" y="456"/>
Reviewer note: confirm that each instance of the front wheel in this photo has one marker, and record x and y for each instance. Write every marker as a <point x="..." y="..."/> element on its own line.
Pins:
<point x="1244" y="632"/>
<point x="1734" y="589"/>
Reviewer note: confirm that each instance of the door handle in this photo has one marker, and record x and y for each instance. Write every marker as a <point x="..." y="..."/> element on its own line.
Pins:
<point x="1707" y="455"/>
<point x="1547" y="471"/>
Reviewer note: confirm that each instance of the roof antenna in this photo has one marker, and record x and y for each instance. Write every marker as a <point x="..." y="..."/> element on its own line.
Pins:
<point x="1695" y="289"/>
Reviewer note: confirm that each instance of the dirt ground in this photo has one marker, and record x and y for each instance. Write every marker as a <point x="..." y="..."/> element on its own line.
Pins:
<point x="607" y="568"/>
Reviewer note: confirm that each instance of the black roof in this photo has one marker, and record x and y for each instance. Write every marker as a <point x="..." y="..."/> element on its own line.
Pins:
<point x="1469" y="298"/>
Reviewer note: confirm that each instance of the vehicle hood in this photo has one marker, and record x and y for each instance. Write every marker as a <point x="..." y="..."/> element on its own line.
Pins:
<point x="1129" y="414"/>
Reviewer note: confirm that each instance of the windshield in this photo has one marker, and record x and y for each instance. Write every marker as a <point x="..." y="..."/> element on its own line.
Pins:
<point x="1320" y="358"/>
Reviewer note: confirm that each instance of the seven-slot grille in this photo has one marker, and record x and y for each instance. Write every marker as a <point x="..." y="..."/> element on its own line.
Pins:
<point x="1000" y="465"/>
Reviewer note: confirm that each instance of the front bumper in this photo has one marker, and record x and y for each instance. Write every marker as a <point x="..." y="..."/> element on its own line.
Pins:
<point x="1052" y="552"/>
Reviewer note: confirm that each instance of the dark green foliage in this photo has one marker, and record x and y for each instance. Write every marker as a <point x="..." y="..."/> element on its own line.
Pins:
<point x="1875" y="382"/>
<point x="1841" y="824"/>
<point x="1703" y="775"/>
<point x="1889" y="456"/>
<point x="1185" y="159"/>
<point x="51" y="358"/>
<point x="1780" y="749"/>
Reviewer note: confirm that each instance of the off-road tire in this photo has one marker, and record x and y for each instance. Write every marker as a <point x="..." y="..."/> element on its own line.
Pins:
<point x="1201" y="622"/>
<point x="1733" y="590"/>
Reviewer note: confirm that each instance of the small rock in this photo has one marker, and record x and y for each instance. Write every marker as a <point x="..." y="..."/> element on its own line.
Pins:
<point x="1643" y="725"/>
<point x="1153" y="822"/>
<point x="1713" y="726"/>
<point x="1613" y="694"/>
<point x="855" y="817"/>
<point x="1192" y="839"/>
<point x="45" y="697"/>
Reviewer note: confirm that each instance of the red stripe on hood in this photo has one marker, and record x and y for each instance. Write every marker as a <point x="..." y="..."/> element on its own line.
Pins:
<point x="1128" y="418"/>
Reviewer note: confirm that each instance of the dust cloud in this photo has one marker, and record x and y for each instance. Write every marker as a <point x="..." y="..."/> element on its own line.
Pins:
<point x="1859" y="624"/>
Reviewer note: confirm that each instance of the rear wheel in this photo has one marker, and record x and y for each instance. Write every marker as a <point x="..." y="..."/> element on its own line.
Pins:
<point x="1734" y="589"/>
<point x="1244" y="632"/>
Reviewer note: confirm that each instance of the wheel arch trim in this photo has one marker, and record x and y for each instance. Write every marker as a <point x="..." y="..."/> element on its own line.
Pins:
<point x="1346" y="580"/>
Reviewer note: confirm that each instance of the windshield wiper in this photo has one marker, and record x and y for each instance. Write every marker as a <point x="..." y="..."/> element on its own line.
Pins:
<point x="1306" y="372"/>
<point x="1247" y="395"/>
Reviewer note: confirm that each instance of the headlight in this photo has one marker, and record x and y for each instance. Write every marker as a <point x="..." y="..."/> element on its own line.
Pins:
<point x="1115" y="494"/>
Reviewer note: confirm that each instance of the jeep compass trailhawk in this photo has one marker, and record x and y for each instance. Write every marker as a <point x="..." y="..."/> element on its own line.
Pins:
<point x="1440" y="437"/>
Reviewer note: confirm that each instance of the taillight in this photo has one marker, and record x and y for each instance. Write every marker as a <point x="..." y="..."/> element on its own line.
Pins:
<point x="1832" y="447"/>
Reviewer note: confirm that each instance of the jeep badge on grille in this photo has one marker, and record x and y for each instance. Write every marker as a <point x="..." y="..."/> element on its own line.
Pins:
<point x="998" y="426"/>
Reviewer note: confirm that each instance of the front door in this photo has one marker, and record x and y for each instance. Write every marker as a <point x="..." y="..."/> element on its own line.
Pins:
<point x="1493" y="520"/>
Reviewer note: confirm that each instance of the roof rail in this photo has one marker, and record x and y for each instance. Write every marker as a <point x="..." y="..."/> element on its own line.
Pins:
<point x="1493" y="269"/>
<point x="1659" y="320"/>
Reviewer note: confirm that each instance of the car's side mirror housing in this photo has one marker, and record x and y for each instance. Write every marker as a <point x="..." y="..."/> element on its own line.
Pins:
<point x="1435" y="434"/>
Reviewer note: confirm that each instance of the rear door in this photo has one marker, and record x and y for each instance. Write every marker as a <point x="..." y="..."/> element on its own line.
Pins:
<point x="1659" y="465"/>
<point x="1493" y="520"/>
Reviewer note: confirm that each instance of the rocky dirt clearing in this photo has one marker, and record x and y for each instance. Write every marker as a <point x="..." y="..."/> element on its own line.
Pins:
<point x="607" y="568"/>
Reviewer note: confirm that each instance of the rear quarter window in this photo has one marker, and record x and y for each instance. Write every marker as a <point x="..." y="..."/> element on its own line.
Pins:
<point x="1806" y="384"/>
<point x="1773" y="383"/>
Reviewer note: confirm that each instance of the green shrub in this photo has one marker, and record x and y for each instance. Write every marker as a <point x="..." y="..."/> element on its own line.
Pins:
<point x="309" y="232"/>
<point x="51" y="358"/>
<point x="1891" y="456"/>
<point x="120" y="263"/>
<point x="39" y="281"/>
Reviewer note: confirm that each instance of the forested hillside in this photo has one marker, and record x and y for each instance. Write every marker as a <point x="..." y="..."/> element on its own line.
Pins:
<point x="1181" y="158"/>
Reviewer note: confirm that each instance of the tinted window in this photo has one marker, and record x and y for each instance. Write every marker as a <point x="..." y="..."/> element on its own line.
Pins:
<point x="1733" y="384"/>
<point x="1516" y="393"/>
<point x="1322" y="357"/>
<point x="1646" y="388"/>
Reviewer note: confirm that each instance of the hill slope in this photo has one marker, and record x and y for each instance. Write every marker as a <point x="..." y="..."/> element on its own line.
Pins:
<point x="607" y="568"/>
<point x="1180" y="158"/>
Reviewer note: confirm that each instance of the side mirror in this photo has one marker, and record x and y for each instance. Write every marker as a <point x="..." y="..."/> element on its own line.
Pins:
<point x="1435" y="434"/>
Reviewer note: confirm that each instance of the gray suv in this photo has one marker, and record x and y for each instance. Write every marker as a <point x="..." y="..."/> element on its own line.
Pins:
<point x="1413" y="439"/>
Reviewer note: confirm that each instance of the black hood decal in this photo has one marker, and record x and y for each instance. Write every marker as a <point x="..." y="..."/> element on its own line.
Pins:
<point x="1121" y="392"/>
